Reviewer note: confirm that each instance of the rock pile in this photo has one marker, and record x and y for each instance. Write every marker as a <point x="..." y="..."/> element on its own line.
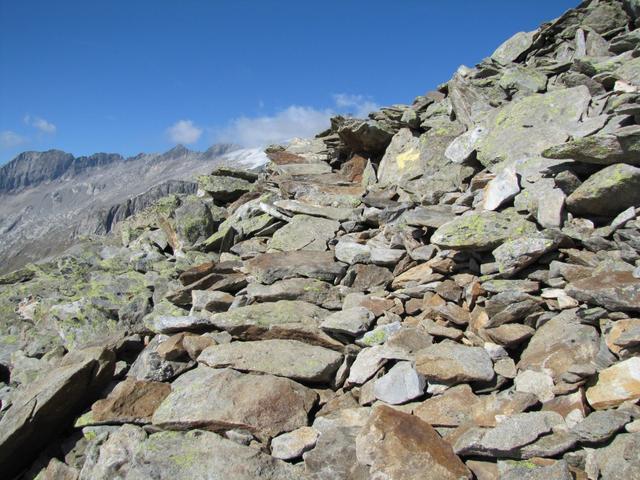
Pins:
<point x="445" y="290"/>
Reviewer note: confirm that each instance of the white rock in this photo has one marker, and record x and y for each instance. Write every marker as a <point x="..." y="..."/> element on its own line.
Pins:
<point x="501" y="189"/>
<point x="538" y="383"/>
<point x="401" y="384"/>
<point x="462" y="147"/>
<point x="291" y="445"/>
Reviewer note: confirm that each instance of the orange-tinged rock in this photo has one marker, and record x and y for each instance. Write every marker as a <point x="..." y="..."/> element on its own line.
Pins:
<point x="615" y="385"/>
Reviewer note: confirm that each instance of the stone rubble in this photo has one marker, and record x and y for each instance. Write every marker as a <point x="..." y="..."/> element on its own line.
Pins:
<point x="447" y="289"/>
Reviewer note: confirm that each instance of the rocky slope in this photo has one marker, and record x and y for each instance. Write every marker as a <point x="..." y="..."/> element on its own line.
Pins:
<point x="49" y="199"/>
<point x="446" y="290"/>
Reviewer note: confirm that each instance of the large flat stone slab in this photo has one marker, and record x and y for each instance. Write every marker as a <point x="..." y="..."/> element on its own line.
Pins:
<point x="283" y="358"/>
<point x="223" y="399"/>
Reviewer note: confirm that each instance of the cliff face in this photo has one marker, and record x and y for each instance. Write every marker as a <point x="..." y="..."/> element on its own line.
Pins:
<point x="49" y="199"/>
<point x="445" y="290"/>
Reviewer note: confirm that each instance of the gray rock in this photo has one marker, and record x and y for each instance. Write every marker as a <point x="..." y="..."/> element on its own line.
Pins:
<point x="461" y="149"/>
<point x="623" y="146"/>
<point x="620" y="458"/>
<point x="351" y="252"/>
<point x="600" y="426"/>
<point x="400" y="384"/>
<point x="607" y="192"/>
<point x="283" y="358"/>
<point x="369" y="361"/>
<point x="525" y="128"/>
<point x="171" y="324"/>
<point x="269" y="267"/>
<point x="513" y="48"/>
<point x="401" y="161"/>
<point x="451" y="363"/>
<point x="481" y="231"/>
<point x="429" y="216"/>
<point x="508" y="436"/>
<point x="42" y="409"/>
<point x="352" y="321"/>
<point x="304" y="232"/>
<point x="368" y="136"/>
<point x="292" y="445"/>
<point x="193" y="455"/>
<point x="286" y="319"/>
<point x="150" y="365"/>
<point x="297" y="207"/>
<point x="514" y="255"/>
<point x="223" y="399"/>
<point x="303" y="289"/>
<point x="550" y="208"/>
<point x="501" y="189"/>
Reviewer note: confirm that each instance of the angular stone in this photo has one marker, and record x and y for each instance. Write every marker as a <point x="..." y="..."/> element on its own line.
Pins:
<point x="41" y="410"/>
<point x="617" y="290"/>
<point x="620" y="458"/>
<point x="131" y="401"/>
<point x="283" y="358"/>
<point x="334" y="455"/>
<point x="600" y="426"/>
<point x="451" y="363"/>
<point x="561" y="343"/>
<point x="463" y="147"/>
<point x="285" y="319"/>
<point x="510" y="306"/>
<point x="482" y="231"/>
<point x="210" y="301"/>
<point x="501" y="189"/>
<point x="615" y="385"/>
<point x="540" y="469"/>
<point x="369" y="361"/>
<point x="550" y="211"/>
<point x="222" y="188"/>
<point x="401" y="161"/>
<point x="365" y="136"/>
<point x="171" y="324"/>
<point x="513" y="48"/>
<point x="429" y="216"/>
<point x="607" y="192"/>
<point x="508" y="436"/>
<point x="514" y="255"/>
<point x="538" y="383"/>
<point x="304" y="232"/>
<point x="151" y="366"/>
<point x="624" y="337"/>
<point x="292" y="445"/>
<point x="303" y="289"/>
<point x="332" y="213"/>
<point x="352" y="252"/>
<point x="525" y="128"/>
<point x="269" y="267"/>
<point x="223" y="399"/>
<point x="602" y="148"/>
<point x="418" y="275"/>
<point x="398" y="445"/>
<point x="400" y="384"/>
<point x="352" y="321"/>
<point x="197" y="454"/>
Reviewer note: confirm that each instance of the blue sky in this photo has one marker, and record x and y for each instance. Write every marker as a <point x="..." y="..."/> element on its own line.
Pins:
<point x="129" y="76"/>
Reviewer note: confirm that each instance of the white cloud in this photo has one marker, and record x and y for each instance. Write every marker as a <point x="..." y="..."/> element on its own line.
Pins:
<point x="184" y="131"/>
<point x="294" y="121"/>
<point x="358" y="105"/>
<point x="40" y="123"/>
<point x="9" y="139"/>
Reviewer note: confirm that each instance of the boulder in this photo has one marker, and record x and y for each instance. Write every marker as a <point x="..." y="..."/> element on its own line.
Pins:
<point x="304" y="232"/>
<point x="482" y="231"/>
<point x="270" y="267"/>
<point x="617" y="384"/>
<point x="607" y="192"/>
<point x="399" y="385"/>
<point x="283" y="358"/>
<point x="131" y="401"/>
<point x="397" y="445"/>
<point x="195" y="455"/>
<point x="451" y="363"/>
<point x="615" y="290"/>
<point x="223" y="399"/>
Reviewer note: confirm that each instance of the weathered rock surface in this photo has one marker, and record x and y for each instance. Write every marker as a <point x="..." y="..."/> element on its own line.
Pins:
<point x="223" y="399"/>
<point x="284" y="358"/>
<point x="397" y="445"/>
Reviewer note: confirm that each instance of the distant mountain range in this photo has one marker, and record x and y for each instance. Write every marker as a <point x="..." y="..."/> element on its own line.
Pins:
<point x="48" y="199"/>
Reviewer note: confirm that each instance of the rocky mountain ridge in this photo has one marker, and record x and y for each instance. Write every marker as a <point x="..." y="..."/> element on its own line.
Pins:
<point x="444" y="290"/>
<point x="50" y="199"/>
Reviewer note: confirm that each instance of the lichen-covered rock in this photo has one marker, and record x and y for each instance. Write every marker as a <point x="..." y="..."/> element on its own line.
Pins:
<point x="527" y="127"/>
<point x="607" y="192"/>
<point x="482" y="231"/>
<point x="304" y="232"/>
<point x="284" y="358"/>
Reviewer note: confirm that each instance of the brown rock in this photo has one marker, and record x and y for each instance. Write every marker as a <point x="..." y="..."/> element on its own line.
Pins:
<point x="616" y="384"/>
<point x="398" y="445"/>
<point x="419" y="275"/>
<point x="131" y="401"/>
<point x="172" y="348"/>
<point x="195" y="344"/>
<point x="196" y="273"/>
<point x="611" y="290"/>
